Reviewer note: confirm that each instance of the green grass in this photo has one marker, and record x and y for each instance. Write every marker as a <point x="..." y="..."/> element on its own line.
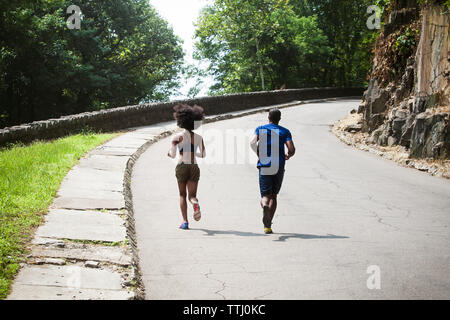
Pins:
<point x="29" y="179"/>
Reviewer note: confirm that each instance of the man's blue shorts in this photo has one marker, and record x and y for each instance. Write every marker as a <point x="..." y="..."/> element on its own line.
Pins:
<point x="270" y="184"/>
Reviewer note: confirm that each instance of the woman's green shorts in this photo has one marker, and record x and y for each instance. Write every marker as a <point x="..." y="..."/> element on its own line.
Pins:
<point x="187" y="172"/>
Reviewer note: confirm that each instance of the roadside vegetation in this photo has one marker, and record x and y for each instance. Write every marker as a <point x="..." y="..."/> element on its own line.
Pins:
<point x="30" y="176"/>
<point x="124" y="53"/>
<point x="254" y="45"/>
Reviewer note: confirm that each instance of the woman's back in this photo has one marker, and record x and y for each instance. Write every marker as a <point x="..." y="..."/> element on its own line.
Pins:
<point x="190" y="146"/>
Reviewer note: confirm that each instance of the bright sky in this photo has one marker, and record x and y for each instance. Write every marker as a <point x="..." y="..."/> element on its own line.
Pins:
<point x="181" y="15"/>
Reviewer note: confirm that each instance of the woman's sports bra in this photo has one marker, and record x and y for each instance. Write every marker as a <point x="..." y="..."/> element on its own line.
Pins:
<point x="181" y="148"/>
<point x="188" y="146"/>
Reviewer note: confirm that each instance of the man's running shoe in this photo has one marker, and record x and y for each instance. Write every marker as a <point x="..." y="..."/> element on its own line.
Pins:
<point x="268" y="230"/>
<point x="266" y="218"/>
<point x="197" y="213"/>
<point x="184" y="226"/>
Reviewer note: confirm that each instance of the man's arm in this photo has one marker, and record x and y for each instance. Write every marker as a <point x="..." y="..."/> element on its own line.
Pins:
<point x="291" y="149"/>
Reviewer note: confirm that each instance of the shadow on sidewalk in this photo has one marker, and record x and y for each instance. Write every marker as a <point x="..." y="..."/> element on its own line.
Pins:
<point x="282" y="236"/>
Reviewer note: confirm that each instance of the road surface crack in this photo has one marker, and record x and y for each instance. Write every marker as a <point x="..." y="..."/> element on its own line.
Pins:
<point x="221" y="282"/>
<point x="380" y="220"/>
<point x="324" y="178"/>
<point x="264" y="295"/>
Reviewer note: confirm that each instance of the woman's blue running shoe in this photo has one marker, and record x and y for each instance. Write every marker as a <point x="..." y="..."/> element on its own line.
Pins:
<point x="184" y="226"/>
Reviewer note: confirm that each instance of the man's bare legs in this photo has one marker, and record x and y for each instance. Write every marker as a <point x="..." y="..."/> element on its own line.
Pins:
<point x="269" y="201"/>
<point x="183" y="202"/>
<point x="265" y="201"/>
<point x="273" y="206"/>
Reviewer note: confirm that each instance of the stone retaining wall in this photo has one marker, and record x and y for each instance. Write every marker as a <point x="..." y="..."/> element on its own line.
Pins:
<point x="146" y="114"/>
<point x="411" y="108"/>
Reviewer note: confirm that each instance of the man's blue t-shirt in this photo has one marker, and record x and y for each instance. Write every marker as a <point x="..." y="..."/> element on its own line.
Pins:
<point x="266" y="133"/>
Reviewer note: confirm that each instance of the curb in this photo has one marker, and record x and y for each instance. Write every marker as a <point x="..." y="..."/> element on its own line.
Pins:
<point x="130" y="223"/>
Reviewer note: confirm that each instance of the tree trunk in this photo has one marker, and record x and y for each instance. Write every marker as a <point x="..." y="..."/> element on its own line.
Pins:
<point x="261" y="69"/>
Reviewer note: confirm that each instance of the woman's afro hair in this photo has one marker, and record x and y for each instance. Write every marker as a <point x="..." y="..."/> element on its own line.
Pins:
<point x="186" y="115"/>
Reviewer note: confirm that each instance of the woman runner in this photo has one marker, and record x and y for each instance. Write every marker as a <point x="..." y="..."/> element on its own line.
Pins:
<point x="190" y="145"/>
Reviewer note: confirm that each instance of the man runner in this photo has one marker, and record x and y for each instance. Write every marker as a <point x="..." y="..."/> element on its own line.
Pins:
<point x="268" y="143"/>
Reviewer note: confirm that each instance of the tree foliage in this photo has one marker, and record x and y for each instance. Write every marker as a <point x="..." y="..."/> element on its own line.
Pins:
<point x="124" y="53"/>
<point x="344" y="24"/>
<point x="265" y="44"/>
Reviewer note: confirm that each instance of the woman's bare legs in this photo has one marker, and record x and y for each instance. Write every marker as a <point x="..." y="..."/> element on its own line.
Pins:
<point x="192" y="191"/>
<point x="183" y="202"/>
<point x="192" y="196"/>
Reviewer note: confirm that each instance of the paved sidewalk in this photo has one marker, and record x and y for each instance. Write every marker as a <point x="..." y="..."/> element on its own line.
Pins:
<point x="82" y="251"/>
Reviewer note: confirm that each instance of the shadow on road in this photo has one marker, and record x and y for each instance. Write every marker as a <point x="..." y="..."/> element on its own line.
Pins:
<point x="236" y="233"/>
<point x="282" y="236"/>
<point x="285" y="236"/>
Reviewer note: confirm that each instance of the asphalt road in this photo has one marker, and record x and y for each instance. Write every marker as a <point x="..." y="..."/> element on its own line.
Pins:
<point x="342" y="212"/>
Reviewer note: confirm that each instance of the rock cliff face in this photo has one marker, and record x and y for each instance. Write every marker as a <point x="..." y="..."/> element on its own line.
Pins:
<point x="407" y="101"/>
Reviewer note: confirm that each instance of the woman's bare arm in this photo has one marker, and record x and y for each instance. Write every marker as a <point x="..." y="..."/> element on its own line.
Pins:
<point x="173" y="147"/>
<point x="202" y="153"/>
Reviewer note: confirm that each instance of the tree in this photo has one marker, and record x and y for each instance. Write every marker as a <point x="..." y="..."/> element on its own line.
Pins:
<point x="344" y="24"/>
<point x="124" y="53"/>
<point x="259" y="44"/>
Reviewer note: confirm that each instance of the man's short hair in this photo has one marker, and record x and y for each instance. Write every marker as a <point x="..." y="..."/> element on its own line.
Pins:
<point x="274" y="115"/>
